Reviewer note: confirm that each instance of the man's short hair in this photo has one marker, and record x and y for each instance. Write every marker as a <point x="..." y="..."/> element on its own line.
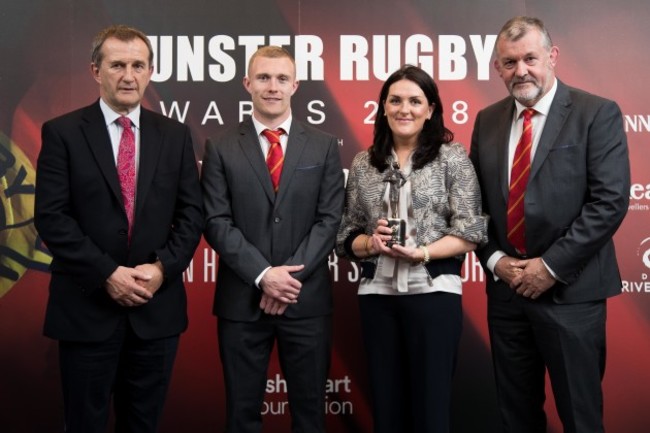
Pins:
<point x="517" y="27"/>
<point x="122" y="33"/>
<point x="273" y="52"/>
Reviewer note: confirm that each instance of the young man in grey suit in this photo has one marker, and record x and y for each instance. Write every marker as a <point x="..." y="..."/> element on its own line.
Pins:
<point x="118" y="203"/>
<point x="273" y="203"/>
<point x="555" y="198"/>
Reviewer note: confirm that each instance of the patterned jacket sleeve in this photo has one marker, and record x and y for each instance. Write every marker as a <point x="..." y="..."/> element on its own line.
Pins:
<point x="467" y="221"/>
<point x="354" y="220"/>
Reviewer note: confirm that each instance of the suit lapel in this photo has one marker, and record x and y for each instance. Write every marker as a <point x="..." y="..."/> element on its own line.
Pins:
<point x="150" y="147"/>
<point x="503" y="140"/>
<point x="558" y="113"/>
<point x="250" y="145"/>
<point x="99" y="142"/>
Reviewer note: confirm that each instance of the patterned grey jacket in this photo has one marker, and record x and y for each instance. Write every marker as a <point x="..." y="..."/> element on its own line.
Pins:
<point x="445" y="194"/>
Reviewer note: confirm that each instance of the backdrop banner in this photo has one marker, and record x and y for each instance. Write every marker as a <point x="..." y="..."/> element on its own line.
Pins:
<point x="344" y="50"/>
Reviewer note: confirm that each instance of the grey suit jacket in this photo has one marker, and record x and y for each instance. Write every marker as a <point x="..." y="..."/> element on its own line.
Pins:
<point x="577" y="193"/>
<point x="251" y="228"/>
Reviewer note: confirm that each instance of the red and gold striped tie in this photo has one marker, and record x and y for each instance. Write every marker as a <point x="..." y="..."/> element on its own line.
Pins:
<point x="518" y="181"/>
<point x="274" y="158"/>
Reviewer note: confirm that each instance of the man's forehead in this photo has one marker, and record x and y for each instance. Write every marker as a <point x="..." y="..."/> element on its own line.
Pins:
<point x="133" y="47"/>
<point x="272" y="66"/>
<point x="519" y="49"/>
<point x="516" y="54"/>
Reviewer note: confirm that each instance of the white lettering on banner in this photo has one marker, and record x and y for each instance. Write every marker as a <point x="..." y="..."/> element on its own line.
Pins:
<point x="174" y="110"/>
<point x="636" y="286"/>
<point x="455" y="68"/>
<point x="336" y="402"/>
<point x="190" y="58"/>
<point x="331" y="407"/>
<point x="353" y="274"/>
<point x="333" y="263"/>
<point x="458" y="116"/>
<point x="350" y="272"/>
<point x="212" y="113"/>
<point x="385" y="52"/>
<point x="316" y="108"/>
<point x="472" y="269"/>
<point x="638" y="207"/>
<point x="641" y="285"/>
<point x="188" y="275"/>
<point x="245" y="109"/>
<point x="278" y="385"/>
<point x="637" y="123"/>
<point x="225" y="68"/>
<point x="312" y="108"/>
<point x="308" y="52"/>
<point x="639" y="192"/>
<point x="223" y="58"/>
<point x="209" y="265"/>
<point x="186" y="58"/>
<point x="483" y="50"/>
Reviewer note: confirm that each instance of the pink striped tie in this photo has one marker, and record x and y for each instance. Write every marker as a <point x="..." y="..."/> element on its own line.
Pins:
<point x="126" y="169"/>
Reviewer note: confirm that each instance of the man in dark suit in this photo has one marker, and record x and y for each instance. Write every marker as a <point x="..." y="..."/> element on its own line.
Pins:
<point x="273" y="224"/>
<point x="550" y="259"/>
<point x="120" y="237"/>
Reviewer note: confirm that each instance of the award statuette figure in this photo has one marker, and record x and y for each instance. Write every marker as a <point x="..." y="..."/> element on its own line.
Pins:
<point x="398" y="226"/>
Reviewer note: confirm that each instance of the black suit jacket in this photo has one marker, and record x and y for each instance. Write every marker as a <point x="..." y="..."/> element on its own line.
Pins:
<point x="577" y="193"/>
<point x="80" y="216"/>
<point x="251" y="228"/>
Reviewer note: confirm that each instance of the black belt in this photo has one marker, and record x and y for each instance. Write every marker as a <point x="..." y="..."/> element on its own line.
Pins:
<point x="435" y="268"/>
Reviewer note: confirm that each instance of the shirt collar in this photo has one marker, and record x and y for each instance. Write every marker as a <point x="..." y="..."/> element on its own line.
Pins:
<point x="259" y="126"/>
<point x="543" y="106"/>
<point x="110" y="116"/>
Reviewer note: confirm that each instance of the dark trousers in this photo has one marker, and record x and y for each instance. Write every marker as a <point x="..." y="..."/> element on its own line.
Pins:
<point x="411" y="343"/>
<point x="135" y="372"/>
<point x="530" y="336"/>
<point x="304" y="350"/>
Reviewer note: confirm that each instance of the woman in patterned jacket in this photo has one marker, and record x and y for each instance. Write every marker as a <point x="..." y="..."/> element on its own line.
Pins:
<point x="410" y="290"/>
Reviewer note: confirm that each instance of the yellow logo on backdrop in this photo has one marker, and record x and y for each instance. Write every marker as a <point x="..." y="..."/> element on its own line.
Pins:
<point x="20" y="246"/>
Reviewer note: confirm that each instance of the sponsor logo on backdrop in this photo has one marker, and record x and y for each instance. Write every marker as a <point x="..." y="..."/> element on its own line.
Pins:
<point x="20" y="246"/>
<point x="639" y="197"/>
<point x="641" y="284"/>
<point x="337" y="399"/>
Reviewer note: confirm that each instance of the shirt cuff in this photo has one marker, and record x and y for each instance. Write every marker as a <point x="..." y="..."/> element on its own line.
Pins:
<point x="260" y="276"/>
<point x="550" y="271"/>
<point x="492" y="262"/>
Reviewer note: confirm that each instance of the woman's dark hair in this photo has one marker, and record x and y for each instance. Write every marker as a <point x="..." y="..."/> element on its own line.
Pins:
<point x="433" y="134"/>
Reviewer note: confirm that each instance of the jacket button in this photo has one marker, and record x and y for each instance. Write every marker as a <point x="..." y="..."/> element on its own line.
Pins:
<point x="276" y="220"/>
<point x="122" y="232"/>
